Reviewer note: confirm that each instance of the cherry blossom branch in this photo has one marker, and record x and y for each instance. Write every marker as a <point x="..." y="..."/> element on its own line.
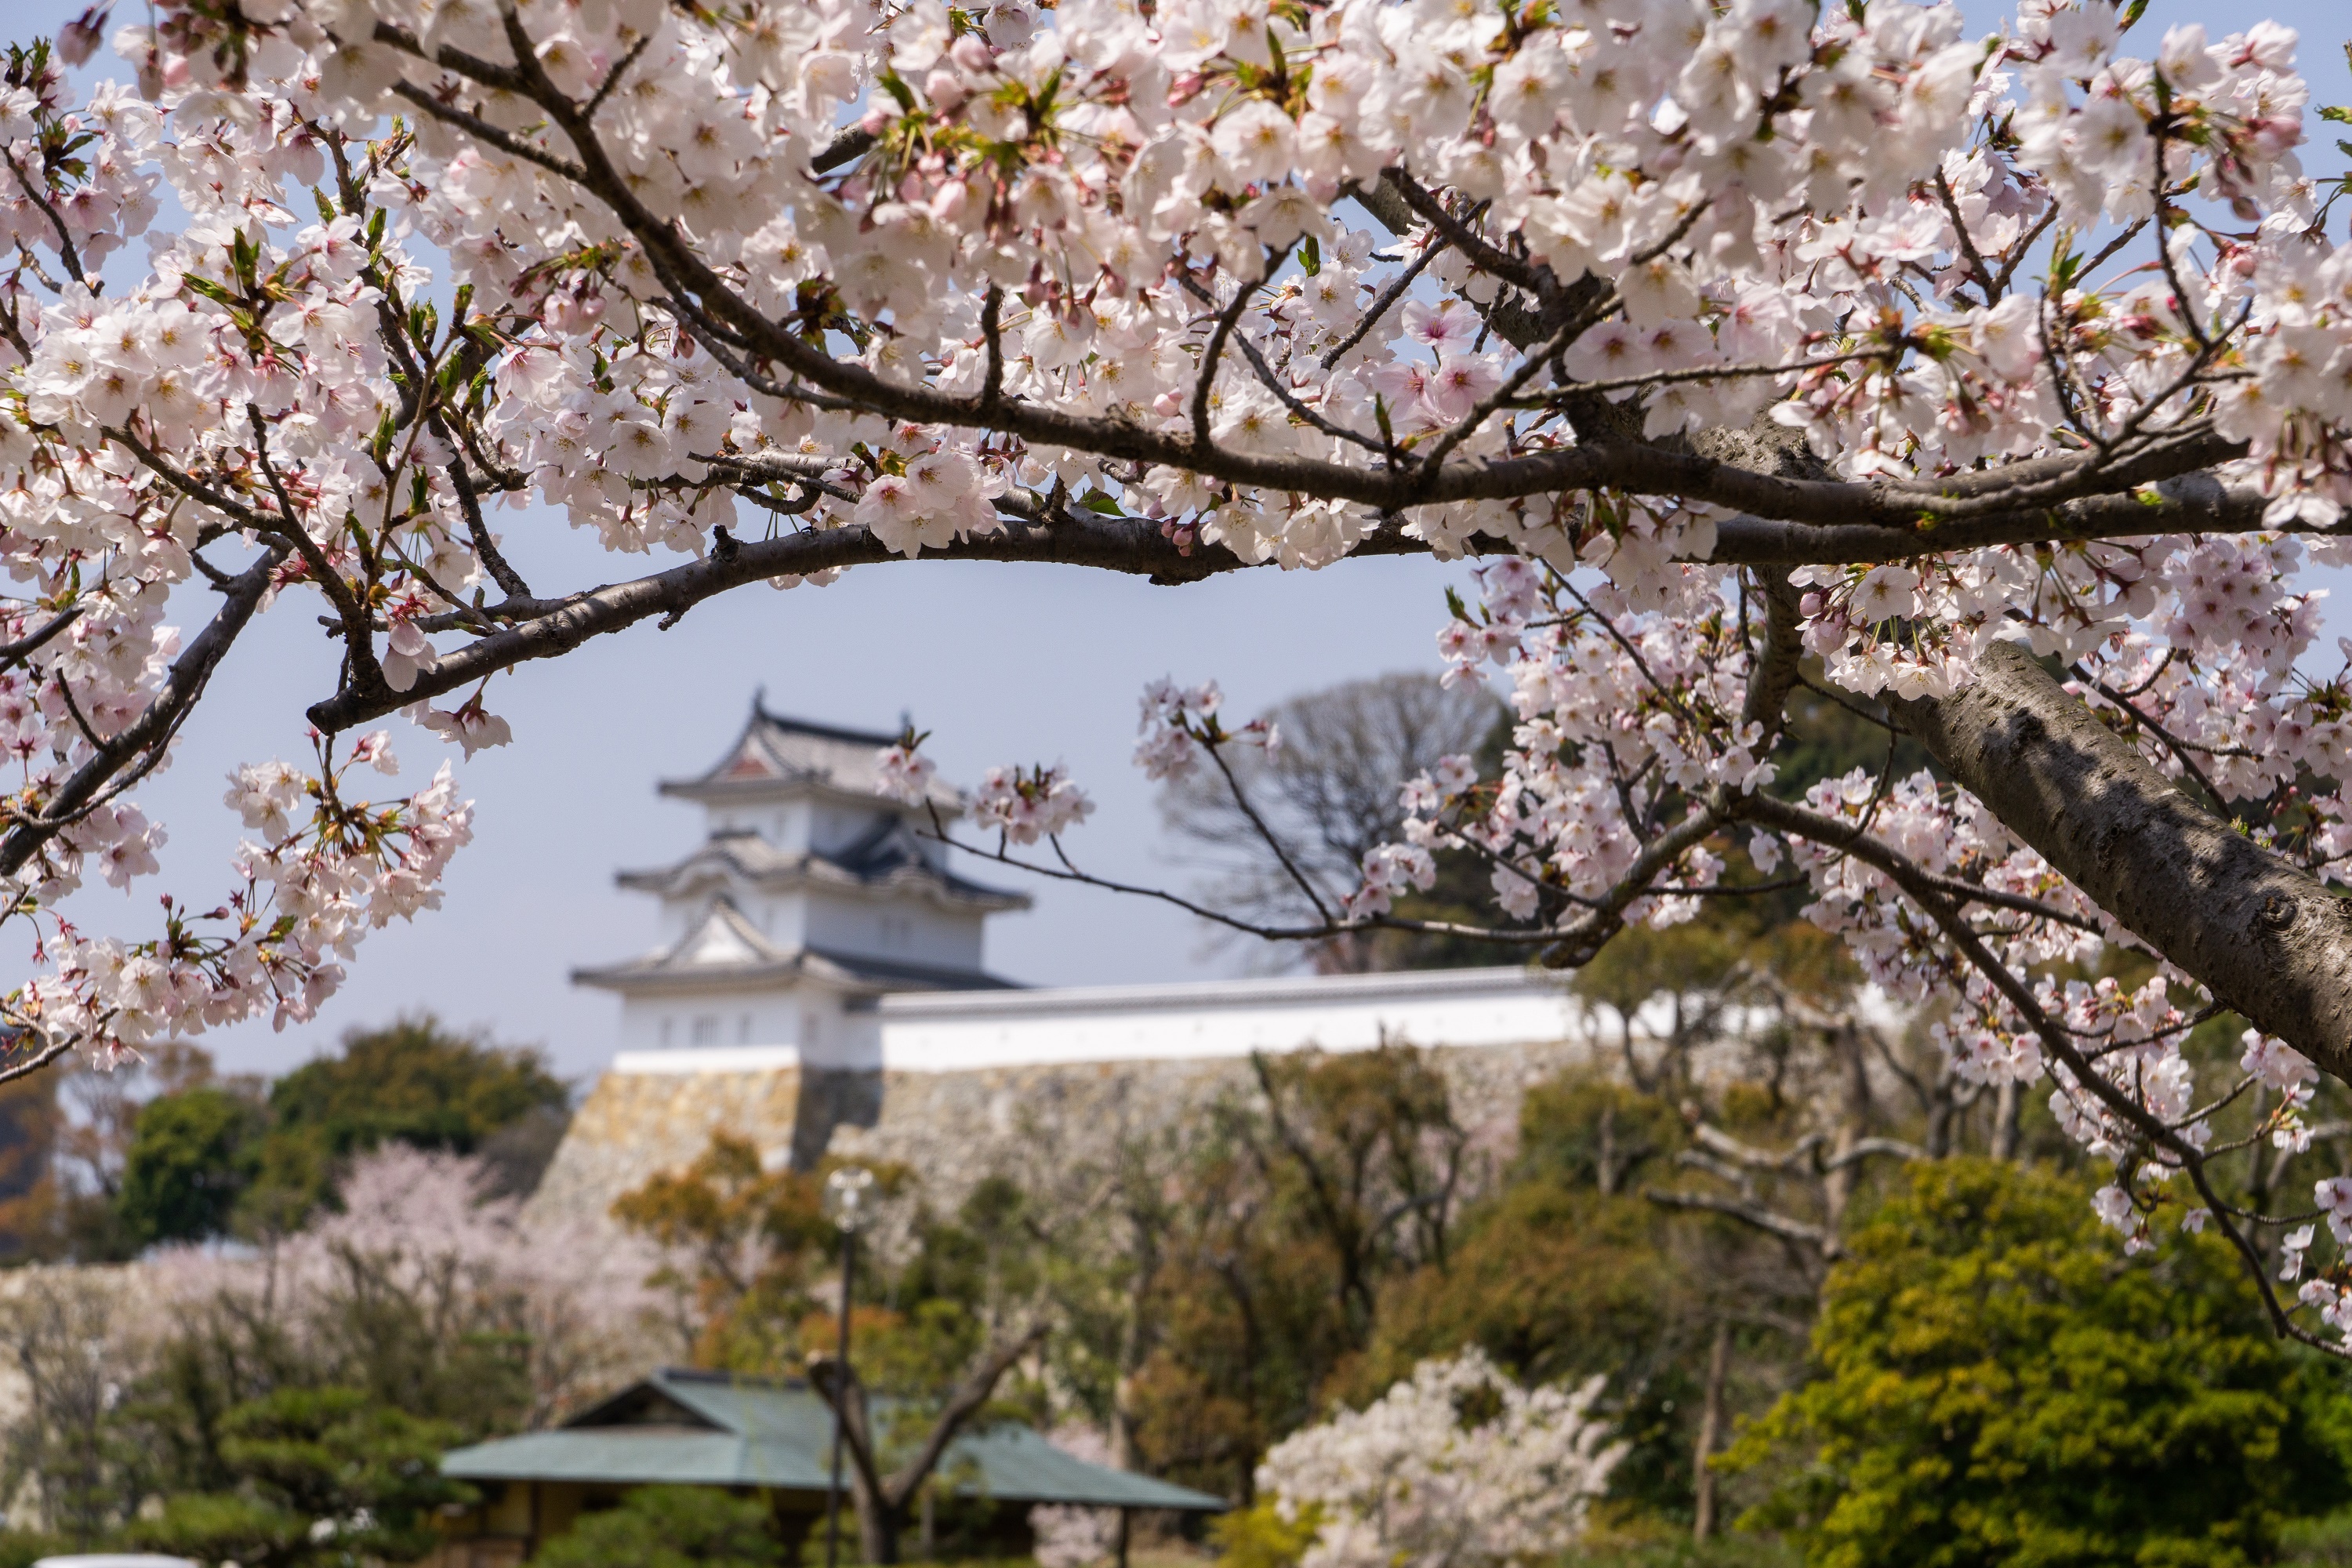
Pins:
<point x="178" y="694"/>
<point x="1210" y="354"/>
<point x="32" y="642"/>
<point x="50" y="1051"/>
<point x="2058" y="1040"/>
<point x="1437" y="243"/>
<point x="1636" y="467"/>
<point x="1274" y="383"/>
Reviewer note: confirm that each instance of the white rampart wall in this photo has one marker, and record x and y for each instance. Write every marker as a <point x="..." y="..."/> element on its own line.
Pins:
<point x="1203" y="1021"/>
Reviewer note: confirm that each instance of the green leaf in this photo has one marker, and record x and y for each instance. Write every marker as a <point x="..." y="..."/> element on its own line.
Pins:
<point x="2132" y="12"/>
<point x="1100" y="504"/>
<point x="1310" y="256"/>
<point x="2337" y="112"/>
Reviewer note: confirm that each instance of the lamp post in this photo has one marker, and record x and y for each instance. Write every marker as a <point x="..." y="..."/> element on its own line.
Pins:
<point x="845" y="1204"/>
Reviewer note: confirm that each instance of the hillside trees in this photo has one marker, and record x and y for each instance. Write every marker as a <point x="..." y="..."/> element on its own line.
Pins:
<point x="2004" y="376"/>
<point x="250" y="1384"/>
<point x="209" y="1158"/>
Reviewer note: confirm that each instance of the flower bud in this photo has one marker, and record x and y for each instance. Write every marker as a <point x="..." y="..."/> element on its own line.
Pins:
<point x="972" y="53"/>
<point x="946" y="91"/>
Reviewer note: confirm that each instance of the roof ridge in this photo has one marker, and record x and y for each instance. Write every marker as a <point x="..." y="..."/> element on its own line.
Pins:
<point x="761" y="711"/>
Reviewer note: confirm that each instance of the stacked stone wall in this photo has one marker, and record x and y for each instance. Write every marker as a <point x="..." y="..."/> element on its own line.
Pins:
<point x="1034" y="1125"/>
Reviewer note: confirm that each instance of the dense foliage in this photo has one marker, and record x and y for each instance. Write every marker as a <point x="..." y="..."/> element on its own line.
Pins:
<point x="235" y="1389"/>
<point x="1997" y="1386"/>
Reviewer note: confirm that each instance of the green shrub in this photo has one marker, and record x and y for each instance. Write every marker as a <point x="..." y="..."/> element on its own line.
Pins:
<point x="673" y="1527"/>
<point x="1259" y="1537"/>
<point x="1999" y="1384"/>
<point x="320" y="1477"/>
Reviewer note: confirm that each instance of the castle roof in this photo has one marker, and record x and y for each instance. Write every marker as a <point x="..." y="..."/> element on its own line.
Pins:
<point x="777" y="757"/>
<point x="887" y="860"/>
<point x="726" y="944"/>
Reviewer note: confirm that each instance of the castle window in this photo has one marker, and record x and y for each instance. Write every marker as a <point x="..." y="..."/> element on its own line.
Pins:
<point x="706" y="1030"/>
<point x="665" y="1023"/>
<point x="743" y="1031"/>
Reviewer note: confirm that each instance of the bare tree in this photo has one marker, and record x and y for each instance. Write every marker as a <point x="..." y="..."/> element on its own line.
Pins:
<point x="883" y="1500"/>
<point x="61" y="1331"/>
<point x="1328" y="794"/>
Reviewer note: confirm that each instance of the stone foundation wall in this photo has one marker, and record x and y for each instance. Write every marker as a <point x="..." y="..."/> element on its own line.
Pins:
<point x="1034" y="1124"/>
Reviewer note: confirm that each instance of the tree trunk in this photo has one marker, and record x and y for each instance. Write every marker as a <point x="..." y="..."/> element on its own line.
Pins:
<point x="2267" y="939"/>
<point x="877" y="1528"/>
<point x="1854" y="1118"/>
<point x="1710" y="1432"/>
<point x="1130" y="1346"/>
<point x="1605" y="1159"/>
<point x="2005" y="1107"/>
<point x="882" y="1503"/>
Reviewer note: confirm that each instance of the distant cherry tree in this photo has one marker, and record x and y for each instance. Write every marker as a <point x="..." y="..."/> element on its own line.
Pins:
<point x="1998" y="385"/>
<point x="1456" y="1466"/>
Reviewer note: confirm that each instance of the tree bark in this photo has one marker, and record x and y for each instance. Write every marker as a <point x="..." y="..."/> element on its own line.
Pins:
<point x="1854" y="1117"/>
<point x="2269" y="941"/>
<point x="1710" y="1432"/>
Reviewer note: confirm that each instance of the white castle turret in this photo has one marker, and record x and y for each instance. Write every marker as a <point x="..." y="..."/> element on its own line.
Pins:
<point x="819" y="989"/>
<point x="810" y="897"/>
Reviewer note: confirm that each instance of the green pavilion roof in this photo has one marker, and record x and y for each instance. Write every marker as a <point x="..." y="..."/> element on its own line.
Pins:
<point x="700" y="1428"/>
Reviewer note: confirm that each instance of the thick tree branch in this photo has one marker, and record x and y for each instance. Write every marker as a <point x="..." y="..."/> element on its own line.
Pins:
<point x="2268" y="940"/>
<point x="963" y="1405"/>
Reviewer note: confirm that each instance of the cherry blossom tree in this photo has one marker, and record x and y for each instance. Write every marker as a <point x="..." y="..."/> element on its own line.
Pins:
<point x="1455" y="1466"/>
<point x="2002" y="379"/>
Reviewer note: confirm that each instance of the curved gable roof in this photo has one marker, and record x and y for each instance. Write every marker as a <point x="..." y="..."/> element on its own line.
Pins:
<point x="700" y="1428"/>
<point x="777" y="757"/>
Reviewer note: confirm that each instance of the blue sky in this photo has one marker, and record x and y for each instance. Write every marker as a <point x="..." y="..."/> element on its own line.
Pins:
<point x="1004" y="663"/>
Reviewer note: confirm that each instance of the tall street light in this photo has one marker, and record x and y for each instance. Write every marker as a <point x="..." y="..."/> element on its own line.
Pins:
<point x="845" y="1204"/>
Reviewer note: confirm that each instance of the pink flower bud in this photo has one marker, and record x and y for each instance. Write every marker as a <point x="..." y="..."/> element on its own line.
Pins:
<point x="949" y="202"/>
<point x="946" y="91"/>
<point x="77" y="39"/>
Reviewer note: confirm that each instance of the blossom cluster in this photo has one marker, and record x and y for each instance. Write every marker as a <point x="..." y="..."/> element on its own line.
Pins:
<point x="1456" y="1466"/>
<point x="324" y="872"/>
<point x="907" y="279"/>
